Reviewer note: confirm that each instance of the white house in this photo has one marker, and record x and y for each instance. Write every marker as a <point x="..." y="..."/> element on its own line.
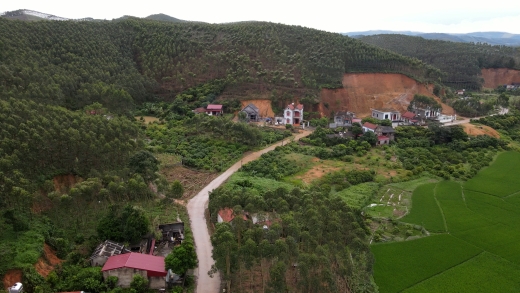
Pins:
<point x="390" y="114"/>
<point x="367" y="126"/>
<point x="293" y="114"/>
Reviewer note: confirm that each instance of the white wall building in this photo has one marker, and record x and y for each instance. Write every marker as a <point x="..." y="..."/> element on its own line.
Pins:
<point x="293" y="114"/>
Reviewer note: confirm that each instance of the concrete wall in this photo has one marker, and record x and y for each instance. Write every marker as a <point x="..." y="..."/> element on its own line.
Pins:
<point x="98" y="261"/>
<point x="126" y="275"/>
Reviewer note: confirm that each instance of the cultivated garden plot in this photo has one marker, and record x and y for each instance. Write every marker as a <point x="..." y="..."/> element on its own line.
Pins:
<point x="499" y="179"/>
<point x="486" y="273"/>
<point x="390" y="202"/>
<point x="400" y="265"/>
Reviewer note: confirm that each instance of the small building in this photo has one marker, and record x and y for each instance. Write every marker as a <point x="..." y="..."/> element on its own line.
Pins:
<point x="383" y="114"/>
<point x="426" y="113"/>
<point x="252" y="112"/>
<point x="460" y="92"/>
<point x="382" y="140"/>
<point x="409" y="118"/>
<point x="293" y="114"/>
<point x="367" y="126"/>
<point x="173" y="232"/>
<point x="226" y="215"/>
<point x="387" y="131"/>
<point x="105" y="250"/>
<point x="214" y="110"/>
<point x="126" y="266"/>
<point x="342" y="119"/>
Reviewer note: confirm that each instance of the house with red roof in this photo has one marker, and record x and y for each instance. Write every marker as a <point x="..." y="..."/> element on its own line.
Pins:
<point x="126" y="266"/>
<point x="293" y="114"/>
<point x="367" y="126"/>
<point x="226" y="215"/>
<point x="214" y="110"/>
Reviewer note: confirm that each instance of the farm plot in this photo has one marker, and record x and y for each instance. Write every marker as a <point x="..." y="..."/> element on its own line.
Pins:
<point x="401" y="265"/>
<point x="484" y="273"/>
<point x="493" y="208"/>
<point x="499" y="179"/>
<point x="425" y="211"/>
<point x="389" y="202"/>
<point x="357" y="196"/>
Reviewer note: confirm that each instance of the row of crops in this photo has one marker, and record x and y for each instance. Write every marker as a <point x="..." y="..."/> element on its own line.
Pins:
<point x="474" y="243"/>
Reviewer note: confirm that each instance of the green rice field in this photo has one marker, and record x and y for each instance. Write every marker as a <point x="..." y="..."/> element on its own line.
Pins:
<point x="478" y="249"/>
<point x="499" y="179"/>
<point x="425" y="211"/>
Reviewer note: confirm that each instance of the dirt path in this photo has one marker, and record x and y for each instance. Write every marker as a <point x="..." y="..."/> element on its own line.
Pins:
<point x="196" y="207"/>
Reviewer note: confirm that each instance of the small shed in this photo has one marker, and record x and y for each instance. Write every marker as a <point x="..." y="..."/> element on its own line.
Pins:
<point x="173" y="232"/>
<point x="252" y="112"/>
<point x="105" y="250"/>
<point x="214" y="110"/>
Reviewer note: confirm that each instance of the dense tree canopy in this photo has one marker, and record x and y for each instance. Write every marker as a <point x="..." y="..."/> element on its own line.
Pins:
<point x="462" y="62"/>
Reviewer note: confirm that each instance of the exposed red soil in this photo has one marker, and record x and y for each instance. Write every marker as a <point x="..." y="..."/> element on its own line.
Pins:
<point x="264" y="106"/>
<point x="64" y="182"/>
<point x="47" y="262"/>
<point x="363" y="91"/>
<point x="494" y="77"/>
<point x="11" y="277"/>
<point x="475" y="130"/>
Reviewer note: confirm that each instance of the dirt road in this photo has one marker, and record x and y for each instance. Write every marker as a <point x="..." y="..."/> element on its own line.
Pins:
<point x="196" y="207"/>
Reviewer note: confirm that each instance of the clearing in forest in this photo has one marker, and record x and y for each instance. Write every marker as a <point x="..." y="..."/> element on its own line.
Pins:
<point x="483" y="221"/>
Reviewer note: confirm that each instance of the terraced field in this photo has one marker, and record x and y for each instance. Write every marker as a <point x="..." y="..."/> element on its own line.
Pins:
<point x="478" y="249"/>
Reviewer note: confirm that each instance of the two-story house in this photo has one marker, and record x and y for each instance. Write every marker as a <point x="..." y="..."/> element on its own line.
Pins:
<point x="390" y="114"/>
<point x="293" y="114"/>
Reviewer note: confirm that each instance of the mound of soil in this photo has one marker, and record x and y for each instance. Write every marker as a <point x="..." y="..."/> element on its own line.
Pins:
<point x="475" y="130"/>
<point x="11" y="277"/>
<point x="47" y="262"/>
<point x="264" y="106"/>
<point x="494" y="77"/>
<point x="363" y="91"/>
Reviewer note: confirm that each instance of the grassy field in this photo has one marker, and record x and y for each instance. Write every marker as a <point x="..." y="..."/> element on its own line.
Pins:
<point x="481" y="215"/>
<point x="485" y="273"/>
<point x="500" y="178"/>
<point x="425" y="211"/>
<point x="357" y="196"/>
<point x="401" y="265"/>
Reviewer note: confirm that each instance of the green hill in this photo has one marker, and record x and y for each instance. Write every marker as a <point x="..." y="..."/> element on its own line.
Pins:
<point x="461" y="61"/>
<point x="163" y="17"/>
<point x="132" y="61"/>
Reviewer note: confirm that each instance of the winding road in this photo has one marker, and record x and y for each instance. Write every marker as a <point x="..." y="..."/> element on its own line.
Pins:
<point x="196" y="207"/>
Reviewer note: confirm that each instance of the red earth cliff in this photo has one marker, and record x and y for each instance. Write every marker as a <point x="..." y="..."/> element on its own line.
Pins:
<point x="494" y="77"/>
<point x="363" y="91"/>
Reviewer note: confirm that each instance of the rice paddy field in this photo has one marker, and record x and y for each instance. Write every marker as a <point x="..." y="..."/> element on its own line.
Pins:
<point x="475" y="245"/>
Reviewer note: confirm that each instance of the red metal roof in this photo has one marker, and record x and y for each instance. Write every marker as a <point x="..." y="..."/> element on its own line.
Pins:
<point x="408" y="115"/>
<point x="382" y="137"/>
<point x="226" y="215"/>
<point x="214" y="107"/>
<point x="369" y="125"/>
<point x="153" y="265"/>
<point x="354" y="120"/>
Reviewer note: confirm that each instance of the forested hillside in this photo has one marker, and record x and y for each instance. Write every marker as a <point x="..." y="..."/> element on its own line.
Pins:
<point x="122" y="63"/>
<point x="461" y="61"/>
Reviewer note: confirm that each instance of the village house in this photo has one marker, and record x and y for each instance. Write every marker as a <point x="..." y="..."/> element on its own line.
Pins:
<point x="214" y="110"/>
<point x="105" y="250"/>
<point x="387" y="131"/>
<point x="342" y="119"/>
<point x="252" y="113"/>
<point x="410" y="118"/>
<point x="226" y="215"/>
<point x="460" y="92"/>
<point x="126" y="266"/>
<point x="390" y="114"/>
<point x="293" y="114"/>
<point x="173" y="232"/>
<point x="426" y="113"/>
<point x="367" y="126"/>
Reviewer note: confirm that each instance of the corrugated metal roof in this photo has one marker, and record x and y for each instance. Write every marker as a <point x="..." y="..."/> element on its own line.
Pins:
<point x="369" y="125"/>
<point x="154" y="265"/>
<point x="214" y="107"/>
